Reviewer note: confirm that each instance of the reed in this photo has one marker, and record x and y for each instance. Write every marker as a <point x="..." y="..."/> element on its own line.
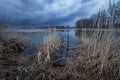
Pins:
<point x="101" y="54"/>
<point x="98" y="58"/>
<point x="11" y="42"/>
<point x="52" y="43"/>
<point x="42" y="69"/>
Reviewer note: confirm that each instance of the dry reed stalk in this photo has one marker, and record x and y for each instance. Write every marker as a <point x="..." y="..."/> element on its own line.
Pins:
<point x="101" y="54"/>
<point x="11" y="42"/>
<point x="43" y="69"/>
<point x="98" y="59"/>
<point x="52" y="43"/>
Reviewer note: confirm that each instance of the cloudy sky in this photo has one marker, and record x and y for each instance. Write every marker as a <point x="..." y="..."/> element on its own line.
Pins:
<point x="49" y="12"/>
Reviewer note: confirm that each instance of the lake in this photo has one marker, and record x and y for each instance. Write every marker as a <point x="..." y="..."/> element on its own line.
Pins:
<point x="76" y="37"/>
<point x="37" y="39"/>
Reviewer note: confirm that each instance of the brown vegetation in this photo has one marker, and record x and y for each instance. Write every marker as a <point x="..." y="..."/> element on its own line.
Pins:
<point x="11" y="47"/>
<point x="98" y="58"/>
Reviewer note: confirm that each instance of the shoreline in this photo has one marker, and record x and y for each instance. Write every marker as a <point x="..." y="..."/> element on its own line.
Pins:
<point x="44" y="30"/>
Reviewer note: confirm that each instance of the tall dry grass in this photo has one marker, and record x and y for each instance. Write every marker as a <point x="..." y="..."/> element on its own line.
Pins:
<point x="101" y="54"/>
<point x="42" y="69"/>
<point x="11" y="42"/>
<point x="98" y="58"/>
<point x="52" y="43"/>
<point x="101" y="57"/>
<point x="11" y="48"/>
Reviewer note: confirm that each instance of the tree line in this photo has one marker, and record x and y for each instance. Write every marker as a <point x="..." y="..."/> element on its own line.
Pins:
<point x="103" y="18"/>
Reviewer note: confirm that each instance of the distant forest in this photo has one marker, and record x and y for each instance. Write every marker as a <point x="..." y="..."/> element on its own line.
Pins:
<point x="102" y="19"/>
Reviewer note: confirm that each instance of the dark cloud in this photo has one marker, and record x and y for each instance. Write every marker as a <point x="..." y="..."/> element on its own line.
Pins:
<point x="48" y="12"/>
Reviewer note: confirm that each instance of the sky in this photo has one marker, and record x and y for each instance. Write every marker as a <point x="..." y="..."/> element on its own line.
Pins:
<point x="49" y="12"/>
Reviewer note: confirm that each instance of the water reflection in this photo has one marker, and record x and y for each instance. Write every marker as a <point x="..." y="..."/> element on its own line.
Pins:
<point x="101" y="34"/>
<point x="75" y="37"/>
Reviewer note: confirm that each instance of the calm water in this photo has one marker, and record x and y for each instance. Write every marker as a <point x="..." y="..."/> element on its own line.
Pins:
<point x="75" y="38"/>
<point x="37" y="39"/>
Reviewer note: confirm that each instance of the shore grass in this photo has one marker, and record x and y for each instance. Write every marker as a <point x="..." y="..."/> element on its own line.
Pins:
<point x="51" y="44"/>
<point x="97" y="59"/>
<point x="100" y="57"/>
<point x="42" y="68"/>
<point x="11" y="49"/>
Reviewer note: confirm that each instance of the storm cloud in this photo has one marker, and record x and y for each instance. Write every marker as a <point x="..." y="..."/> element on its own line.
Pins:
<point x="49" y="12"/>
